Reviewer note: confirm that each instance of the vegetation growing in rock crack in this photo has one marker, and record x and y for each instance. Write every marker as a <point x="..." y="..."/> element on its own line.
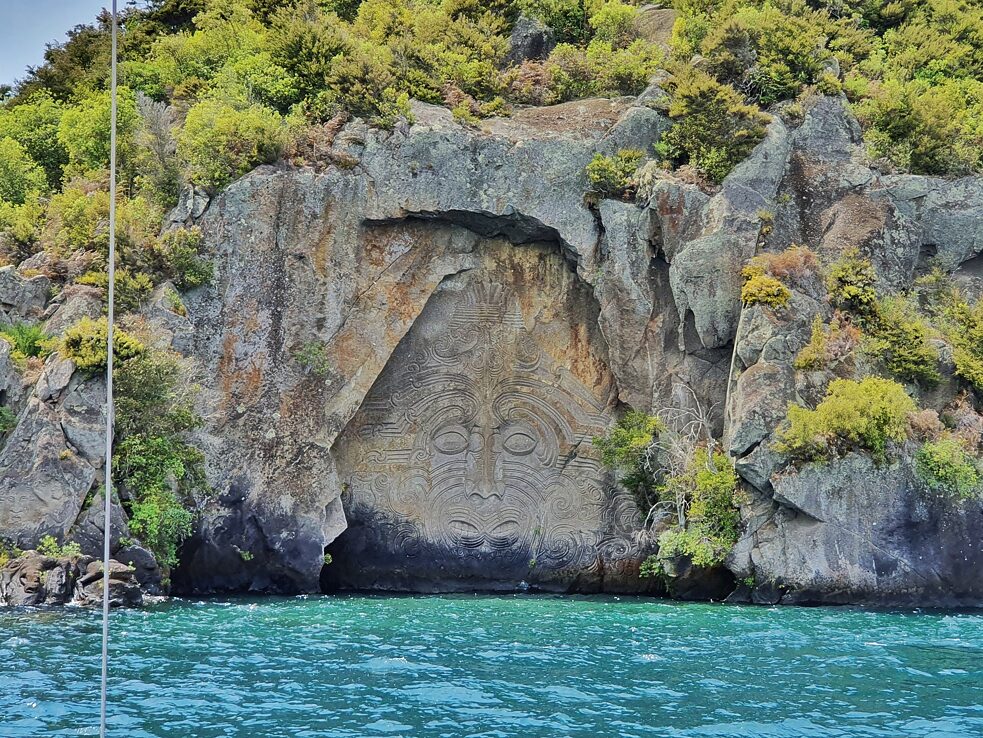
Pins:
<point x="682" y="482"/>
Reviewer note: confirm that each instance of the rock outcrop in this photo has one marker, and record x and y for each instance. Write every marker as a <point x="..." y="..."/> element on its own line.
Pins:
<point x="410" y="343"/>
<point x="36" y="580"/>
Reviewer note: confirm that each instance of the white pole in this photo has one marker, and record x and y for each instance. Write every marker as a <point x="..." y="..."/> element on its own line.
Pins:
<point x="108" y="487"/>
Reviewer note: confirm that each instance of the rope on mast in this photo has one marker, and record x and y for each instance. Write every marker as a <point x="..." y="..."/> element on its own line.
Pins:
<point x="108" y="487"/>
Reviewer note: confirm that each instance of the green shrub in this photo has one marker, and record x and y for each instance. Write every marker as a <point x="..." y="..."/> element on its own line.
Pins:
<point x="177" y="258"/>
<point x="33" y="123"/>
<point x="962" y="326"/>
<point x="130" y="290"/>
<point x="760" y="289"/>
<point x="626" y="443"/>
<point x="614" y="22"/>
<point x="20" y="177"/>
<point x="567" y="18"/>
<point x="946" y="467"/>
<point x="158" y="517"/>
<point x="8" y="420"/>
<point x="713" y="128"/>
<point x="625" y="448"/>
<point x="828" y="343"/>
<point x="221" y="141"/>
<point x="611" y="176"/>
<point x="27" y="339"/>
<point x="85" y="344"/>
<point x="899" y="338"/>
<point x="313" y="359"/>
<point x="851" y="283"/>
<point x="49" y="547"/>
<point x="712" y="522"/>
<point x="154" y="463"/>
<point x="83" y="131"/>
<point x="863" y="415"/>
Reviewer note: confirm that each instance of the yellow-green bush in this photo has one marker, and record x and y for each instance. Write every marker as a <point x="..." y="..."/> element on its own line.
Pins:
<point x="711" y="528"/>
<point x="20" y="176"/>
<point x="898" y="337"/>
<point x="221" y="141"/>
<point x="611" y="176"/>
<point x="864" y="415"/>
<point x="713" y="128"/>
<point x="827" y="343"/>
<point x="130" y="290"/>
<point x="947" y="467"/>
<point x="760" y="289"/>
<point x="851" y="283"/>
<point x="177" y="257"/>
<point x="85" y="343"/>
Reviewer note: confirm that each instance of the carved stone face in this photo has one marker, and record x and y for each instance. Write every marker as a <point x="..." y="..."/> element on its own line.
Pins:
<point x="477" y="444"/>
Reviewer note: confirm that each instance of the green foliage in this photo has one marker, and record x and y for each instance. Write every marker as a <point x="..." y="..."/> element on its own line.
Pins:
<point x="313" y="359"/>
<point x="827" y="344"/>
<point x="899" y="338"/>
<point x="713" y="129"/>
<point x="34" y="125"/>
<point x="83" y="131"/>
<point x="20" y="177"/>
<point x="962" y="326"/>
<point x="157" y="514"/>
<point x="221" y="141"/>
<point x="626" y="443"/>
<point x="611" y="176"/>
<point x="946" y="467"/>
<point x="568" y="18"/>
<point x="130" y="290"/>
<point x="177" y="258"/>
<point x="154" y="463"/>
<point x="760" y="289"/>
<point x="851" y="284"/>
<point x="865" y="415"/>
<point x="8" y="420"/>
<point x="85" y="343"/>
<point x="26" y="339"/>
<point x="912" y="69"/>
<point x="49" y="546"/>
<point x="709" y="487"/>
<point x="614" y="22"/>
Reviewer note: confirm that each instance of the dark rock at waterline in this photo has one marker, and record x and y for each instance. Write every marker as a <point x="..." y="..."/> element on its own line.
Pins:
<point x="35" y="580"/>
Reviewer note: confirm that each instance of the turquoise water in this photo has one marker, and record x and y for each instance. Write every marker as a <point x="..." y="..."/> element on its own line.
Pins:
<point x="494" y="666"/>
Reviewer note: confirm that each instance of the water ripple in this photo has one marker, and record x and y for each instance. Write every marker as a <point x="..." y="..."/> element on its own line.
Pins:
<point x="496" y="667"/>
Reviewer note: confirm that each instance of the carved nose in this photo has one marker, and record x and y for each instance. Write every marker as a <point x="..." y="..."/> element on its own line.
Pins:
<point x="481" y="479"/>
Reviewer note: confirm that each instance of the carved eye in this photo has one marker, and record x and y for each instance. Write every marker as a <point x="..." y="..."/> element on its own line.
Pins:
<point x="519" y="443"/>
<point x="452" y="440"/>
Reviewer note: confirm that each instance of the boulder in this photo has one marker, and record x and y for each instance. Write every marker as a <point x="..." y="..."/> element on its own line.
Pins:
<point x="23" y="299"/>
<point x="531" y="39"/>
<point x="76" y="302"/>
<point x="43" y="481"/>
<point x="655" y="24"/>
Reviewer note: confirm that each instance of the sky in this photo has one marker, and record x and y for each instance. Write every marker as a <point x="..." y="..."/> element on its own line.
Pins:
<point x="27" y="25"/>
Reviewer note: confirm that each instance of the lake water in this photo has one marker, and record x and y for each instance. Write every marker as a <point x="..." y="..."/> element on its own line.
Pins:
<point x="493" y="666"/>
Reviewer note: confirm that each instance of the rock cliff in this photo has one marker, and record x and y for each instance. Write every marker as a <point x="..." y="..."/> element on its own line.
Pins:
<point x="409" y="345"/>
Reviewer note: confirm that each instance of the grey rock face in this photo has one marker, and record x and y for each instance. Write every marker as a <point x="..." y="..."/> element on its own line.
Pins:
<point x="343" y="263"/>
<point x="850" y="531"/>
<point x="655" y="24"/>
<point x="530" y="39"/>
<point x="77" y="302"/>
<point x="337" y="293"/>
<point x="22" y="299"/>
<point x="43" y="481"/>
